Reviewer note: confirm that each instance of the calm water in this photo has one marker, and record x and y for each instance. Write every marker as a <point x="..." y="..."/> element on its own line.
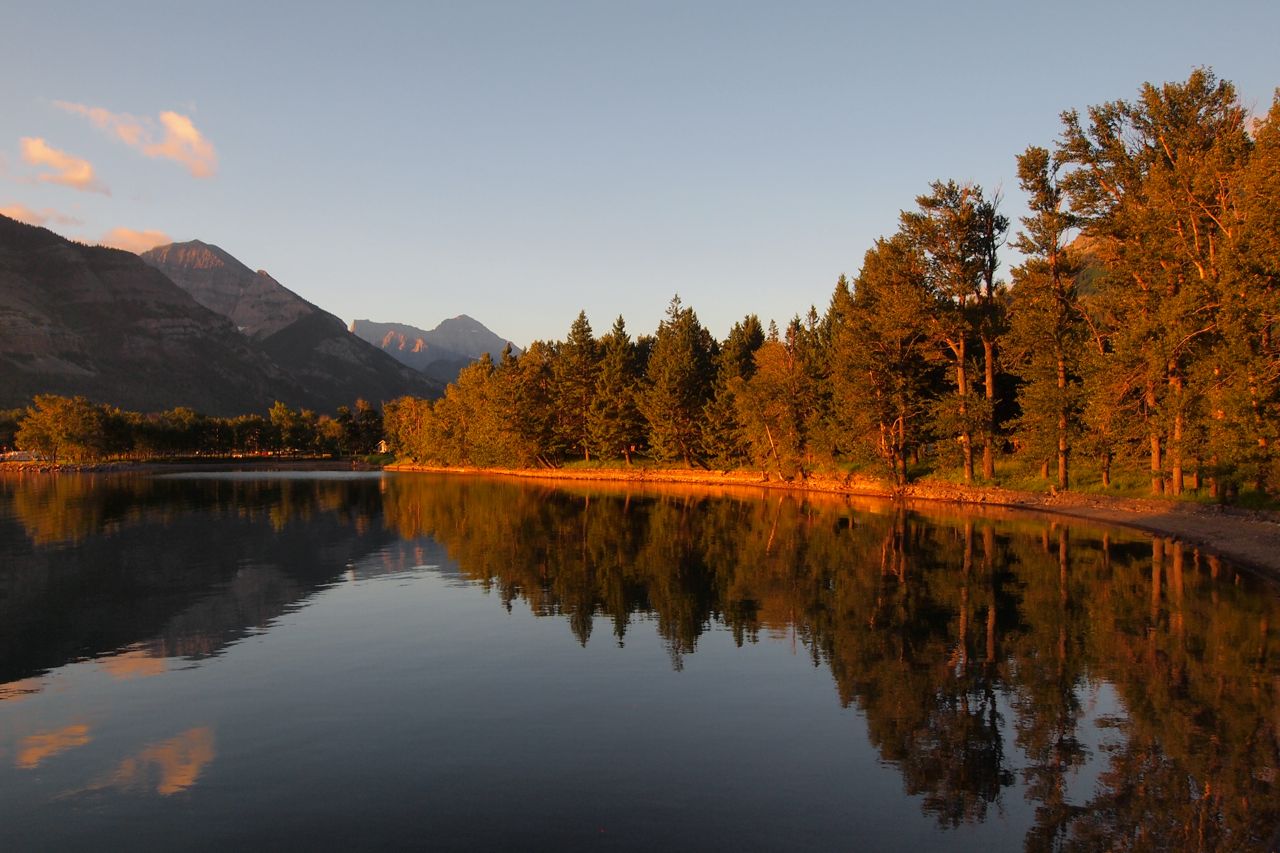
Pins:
<point x="363" y="661"/>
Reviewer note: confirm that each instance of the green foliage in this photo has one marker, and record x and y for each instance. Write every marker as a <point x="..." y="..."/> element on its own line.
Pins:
<point x="64" y="429"/>
<point x="9" y="419"/>
<point x="615" y="427"/>
<point x="575" y="370"/>
<point x="679" y="375"/>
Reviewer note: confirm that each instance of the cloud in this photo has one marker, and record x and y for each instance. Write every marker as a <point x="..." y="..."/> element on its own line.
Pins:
<point x="172" y="137"/>
<point x="137" y="663"/>
<point x="33" y="750"/>
<point x="134" y="241"/>
<point x="22" y="213"/>
<point x="69" y="171"/>
<point x="169" y="767"/>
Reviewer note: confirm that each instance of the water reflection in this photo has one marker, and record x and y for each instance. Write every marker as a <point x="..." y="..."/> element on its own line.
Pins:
<point x="34" y="749"/>
<point x="167" y="767"/>
<point x="1124" y="687"/>
<point x="172" y="568"/>
<point x="963" y="640"/>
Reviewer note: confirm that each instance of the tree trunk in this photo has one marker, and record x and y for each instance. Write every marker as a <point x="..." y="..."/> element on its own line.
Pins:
<point x="1175" y="444"/>
<point x="1157" y="477"/>
<point x="1157" y="468"/>
<point x="1062" y="426"/>
<point x="989" y="439"/>
<point x="966" y="436"/>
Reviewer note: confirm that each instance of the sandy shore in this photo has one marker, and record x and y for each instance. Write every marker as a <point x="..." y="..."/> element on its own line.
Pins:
<point x="1249" y="538"/>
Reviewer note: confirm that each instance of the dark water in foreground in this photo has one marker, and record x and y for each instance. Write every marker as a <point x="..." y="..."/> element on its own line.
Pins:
<point x="353" y="662"/>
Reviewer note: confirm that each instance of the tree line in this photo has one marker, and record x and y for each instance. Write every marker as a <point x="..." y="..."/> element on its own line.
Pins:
<point x="1135" y="335"/>
<point x="78" y="430"/>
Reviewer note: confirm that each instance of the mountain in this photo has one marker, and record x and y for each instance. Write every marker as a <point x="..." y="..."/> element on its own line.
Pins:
<point x="77" y="319"/>
<point x="257" y="303"/>
<point x="310" y="344"/>
<point x="439" y="353"/>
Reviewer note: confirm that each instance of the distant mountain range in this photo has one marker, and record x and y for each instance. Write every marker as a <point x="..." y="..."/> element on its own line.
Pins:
<point x="439" y="353"/>
<point x="186" y="325"/>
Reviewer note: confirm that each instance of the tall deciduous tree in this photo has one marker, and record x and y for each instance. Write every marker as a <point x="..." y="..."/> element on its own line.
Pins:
<point x="952" y="228"/>
<point x="1048" y="328"/>
<point x="1153" y="185"/>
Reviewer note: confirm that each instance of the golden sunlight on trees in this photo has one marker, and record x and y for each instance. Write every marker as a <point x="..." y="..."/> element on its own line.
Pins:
<point x="1138" y="332"/>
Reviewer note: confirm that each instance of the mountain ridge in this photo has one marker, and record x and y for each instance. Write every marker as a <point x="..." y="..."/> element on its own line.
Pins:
<point x="440" y="352"/>
<point x="311" y="344"/>
<point x="98" y="322"/>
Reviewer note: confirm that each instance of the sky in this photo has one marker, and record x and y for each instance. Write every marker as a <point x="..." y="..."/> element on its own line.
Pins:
<point x="522" y="161"/>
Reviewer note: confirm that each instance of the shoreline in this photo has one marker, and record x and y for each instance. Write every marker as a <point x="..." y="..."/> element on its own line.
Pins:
<point x="1249" y="538"/>
<point x="187" y="465"/>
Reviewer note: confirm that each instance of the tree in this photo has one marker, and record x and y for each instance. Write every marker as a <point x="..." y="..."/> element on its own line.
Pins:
<point x="1152" y="185"/>
<point x="575" y="369"/>
<point x="365" y="428"/>
<point x="722" y="430"/>
<point x="68" y="429"/>
<point x="881" y="353"/>
<point x="771" y="407"/>
<point x="9" y="419"/>
<point x="1047" y="324"/>
<point x="678" y="384"/>
<point x="614" y="424"/>
<point x="953" y="230"/>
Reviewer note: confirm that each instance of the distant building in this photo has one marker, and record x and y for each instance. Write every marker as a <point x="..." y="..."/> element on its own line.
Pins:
<point x="383" y="447"/>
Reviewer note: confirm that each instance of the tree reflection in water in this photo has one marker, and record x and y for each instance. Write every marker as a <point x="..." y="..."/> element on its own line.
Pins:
<point x="959" y="636"/>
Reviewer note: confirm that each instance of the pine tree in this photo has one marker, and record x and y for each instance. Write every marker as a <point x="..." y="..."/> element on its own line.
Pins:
<point x="575" y="368"/>
<point x="722" y="438"/>
<point x="678" y="385"/>
<point x="614" y="424"/>
<point x="882" y="345"/>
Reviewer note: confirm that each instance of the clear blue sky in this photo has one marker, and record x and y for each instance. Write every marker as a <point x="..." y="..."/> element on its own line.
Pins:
<point x="519" y="161"/>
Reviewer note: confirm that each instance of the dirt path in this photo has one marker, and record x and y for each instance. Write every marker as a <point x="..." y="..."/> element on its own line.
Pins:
<point x="1249" y="538"/>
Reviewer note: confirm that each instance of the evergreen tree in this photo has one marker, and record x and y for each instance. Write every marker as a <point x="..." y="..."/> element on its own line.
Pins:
<point x="771" y="407"/>
<point x="614" y="424"/>
<point x="679" y="374"/>
<point x="881" y="351"/>
<point x="575" y="368"/>
<point x="722" y="437"/>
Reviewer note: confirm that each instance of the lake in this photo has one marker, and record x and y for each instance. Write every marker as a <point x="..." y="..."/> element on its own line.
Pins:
<point x="360" y="661"/>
